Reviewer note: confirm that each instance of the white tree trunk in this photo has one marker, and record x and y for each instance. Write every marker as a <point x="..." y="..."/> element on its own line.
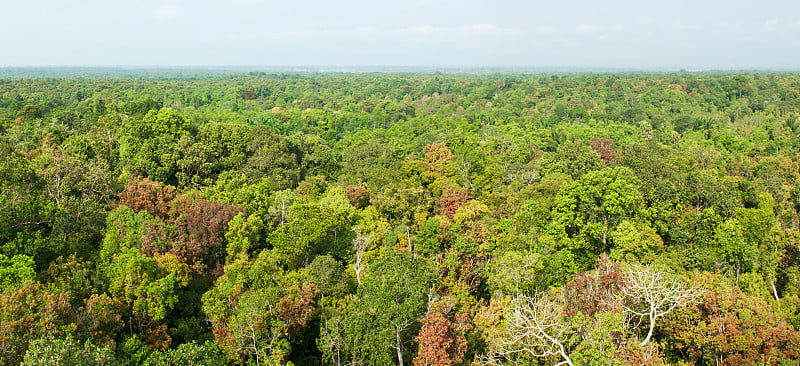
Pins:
<point x="399" y="347"/>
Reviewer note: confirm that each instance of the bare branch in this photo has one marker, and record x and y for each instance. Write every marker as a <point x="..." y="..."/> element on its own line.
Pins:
<point x="535" y="326"/>
<point x="360" y="244"/>
<point x="653" y="293"/>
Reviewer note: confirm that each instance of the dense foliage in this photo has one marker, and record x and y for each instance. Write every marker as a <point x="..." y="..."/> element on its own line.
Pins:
<point x="425" y="219"/>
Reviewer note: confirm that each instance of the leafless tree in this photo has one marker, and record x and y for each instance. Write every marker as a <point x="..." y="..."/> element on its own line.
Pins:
<point x="651" y="293"/>
<point x="535" y="326"/>
<point x="360" y="244"/>
<point x="249" y="335"/>
<point x="331" y="339"/>
<point x="283" y="200"/>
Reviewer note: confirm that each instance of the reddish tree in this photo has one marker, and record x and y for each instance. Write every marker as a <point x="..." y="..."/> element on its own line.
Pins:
<point x="451" y="199"/>
<point x="441" y="339"/>
<point x="731" y="328"/>
<point x="438" y="157"/>
<point x="465" y="272"/>
<point x="28" y="312"/>
<point x="590" y="292"/>
<point x="154" y="239"/>
<point x="605" y="147"/>
<point x="200" y="233"/>
<point x="297" y="308"/>
<point x="100" y="320"/>
<point x="193" y="230"/>
<point x="143" y="194"/>
<point x="248" y="94"/>
<point x="358" y="196"/>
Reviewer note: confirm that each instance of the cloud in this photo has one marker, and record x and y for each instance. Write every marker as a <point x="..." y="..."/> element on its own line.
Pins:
<point x="167" y="12"/>
<point x="784" y="26"/>
<point x="247" y="2"/>
<point x="544" y="29"/>
<point x="470" y="29"/>
<point x="596" y="28"/>
<point x="588" y="28"/>
<point x="273" y="35"/>
<point x="663" y="24"/>
<point x="426" y="31"/>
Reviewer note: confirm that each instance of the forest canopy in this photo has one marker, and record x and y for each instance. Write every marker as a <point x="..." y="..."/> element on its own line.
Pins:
<point x="412" y="218"/>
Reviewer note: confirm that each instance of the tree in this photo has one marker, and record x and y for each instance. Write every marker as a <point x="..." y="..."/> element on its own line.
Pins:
<point x="282" y="200"/>
<point x="573" y="158"/>
<point x="143" y="194"/>
<point x="652" y="293"/>
<point x="389" y="303"/>
<point x="29" y="312"/>
<point x="604" y="147"/>
<point x="730" y="327"/>
<point x="161" y="122"/>
<point x="451" y="200"/>
<point x="327" y="275"/>
<point x="516" y="272"/>
<point x="192" y="353"/>
<point x="589" y="209"/>
<point x="127" y="229"/>
<point x="243" y="235"/>
<point x="439" y="158"/>
<point x="146" y="287"/>
<point x="50" y="351"/>
<point x="535" y="326"/>
<point x="302" y="235"/>
<point x="635" y="241"/>
<point x="360" y="246"/>
<point x="227" y="142"/>
<point x="599" y="290"/>
<point x="257" y="329"/>
<point x="254" y="309"/>
<point x="441" y="339"/>
<point x="200" y="233"/>
<point x="15" y="270"/>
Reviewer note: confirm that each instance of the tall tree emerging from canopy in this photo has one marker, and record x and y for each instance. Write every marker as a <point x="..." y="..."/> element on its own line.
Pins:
<point x="390" y="302"/>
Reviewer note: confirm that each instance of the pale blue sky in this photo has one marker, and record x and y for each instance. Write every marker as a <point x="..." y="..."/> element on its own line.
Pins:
<point x="732" y="34"/>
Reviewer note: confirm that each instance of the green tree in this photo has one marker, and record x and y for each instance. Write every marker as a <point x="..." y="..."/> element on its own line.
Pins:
<point x="386" y="311"/>
<point x="573" y="158"/>
<point x="302" y="235"/>
<point x="51" y="351"/>
<point x="589" y="209"/>
<point x="206" y="354"/>
<point x="147" y="289"/>
<point x="254" y="309"/>
<point x="15" y="270"/>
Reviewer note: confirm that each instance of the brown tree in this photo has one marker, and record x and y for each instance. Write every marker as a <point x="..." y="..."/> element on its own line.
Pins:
<point x="143" y="194"/>
<point x="438" y="156"/>
<point x="29" y="312"/>
<point x="451" y="199"/>
<point x="358" y="196"/>
<point x="441" y="339"/>
<point x="731" y="328"/>
<point x="592" y="291"/>
<point x="605" y="147"/>
<point x="200" y="233"/>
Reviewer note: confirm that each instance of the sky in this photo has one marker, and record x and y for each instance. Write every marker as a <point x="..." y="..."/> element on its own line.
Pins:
<point x="638" y="34"/>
